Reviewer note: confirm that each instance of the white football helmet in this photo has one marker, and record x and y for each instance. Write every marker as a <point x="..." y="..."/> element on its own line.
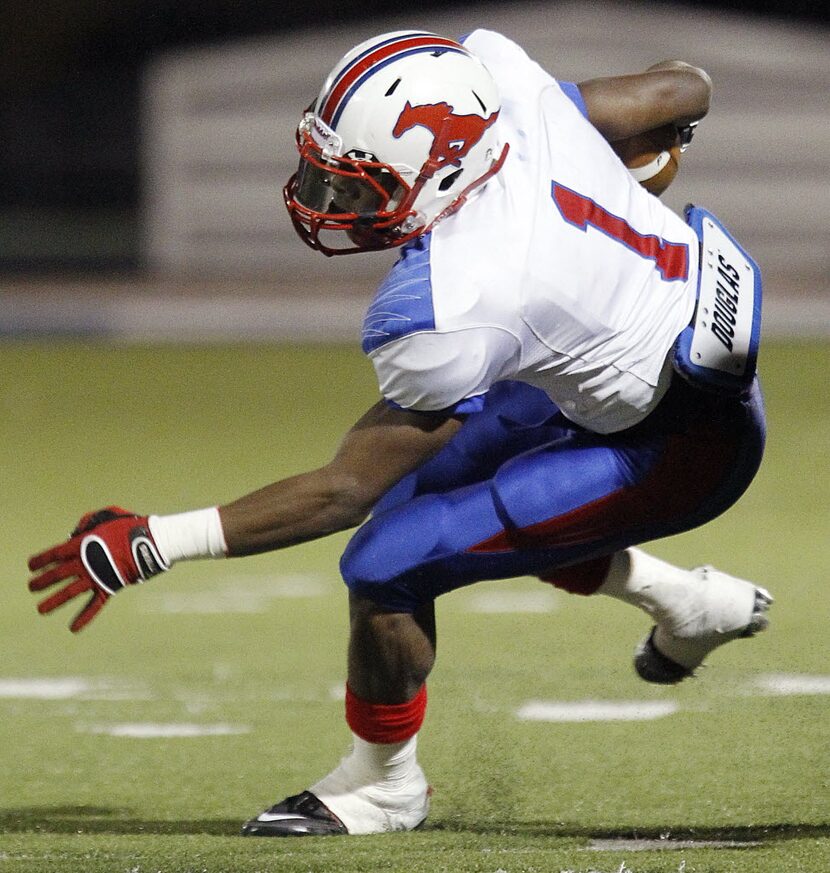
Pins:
<point x="403" y="131"/>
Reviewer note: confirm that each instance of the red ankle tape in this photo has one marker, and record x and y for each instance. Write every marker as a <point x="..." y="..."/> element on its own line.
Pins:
<point x="384" y="722"/>
<point x="582" y="578"/>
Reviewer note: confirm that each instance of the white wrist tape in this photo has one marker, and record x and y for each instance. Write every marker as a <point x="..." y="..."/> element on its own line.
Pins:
<point x="189" y="535"/>
<point x="651" y="169"/>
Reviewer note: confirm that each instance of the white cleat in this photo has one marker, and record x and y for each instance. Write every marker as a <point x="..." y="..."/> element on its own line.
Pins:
<point x="719" y="608"/>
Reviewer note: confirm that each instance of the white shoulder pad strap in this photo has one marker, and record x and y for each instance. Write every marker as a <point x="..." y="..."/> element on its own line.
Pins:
<point x="719" y="350"/>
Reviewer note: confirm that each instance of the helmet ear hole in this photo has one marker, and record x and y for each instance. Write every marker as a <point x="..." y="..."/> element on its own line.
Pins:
<point x="448" y="181"/>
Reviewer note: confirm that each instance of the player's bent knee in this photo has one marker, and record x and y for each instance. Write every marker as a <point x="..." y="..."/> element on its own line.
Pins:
<point x="391" y="545"/>
<point x="409" y="555"/>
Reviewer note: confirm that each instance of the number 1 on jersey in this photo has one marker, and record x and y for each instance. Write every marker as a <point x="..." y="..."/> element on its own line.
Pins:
<point x="670" y="259"/>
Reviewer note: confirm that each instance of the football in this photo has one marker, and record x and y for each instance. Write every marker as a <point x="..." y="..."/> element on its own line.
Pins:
<point x="652" y="157"/>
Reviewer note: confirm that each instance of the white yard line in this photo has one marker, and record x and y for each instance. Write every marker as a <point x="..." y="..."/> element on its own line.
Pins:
<point x="70" y="688"/>
<point x="495" y="602"/>
<point x="595" y="710"/>
<point x="793" y="683"/>
<point x="153" y="730"/>
<point x="240" y="595"/>
<point x="57" y="688"/>
<point x="635" y="845"/>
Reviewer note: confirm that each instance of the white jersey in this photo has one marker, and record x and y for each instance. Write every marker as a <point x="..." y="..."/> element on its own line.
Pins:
<point x="562" y="272"/>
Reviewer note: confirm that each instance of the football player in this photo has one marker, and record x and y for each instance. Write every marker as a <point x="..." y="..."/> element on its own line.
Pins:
<point x="552" y="392"/>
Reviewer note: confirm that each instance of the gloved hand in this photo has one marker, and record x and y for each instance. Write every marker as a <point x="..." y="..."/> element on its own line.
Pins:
<point x="107" y="550"/>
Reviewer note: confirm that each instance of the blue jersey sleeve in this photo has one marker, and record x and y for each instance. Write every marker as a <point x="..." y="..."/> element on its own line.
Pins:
<point x="403" y="306"/>
<point x="572" y="92"/>
<point x="403" y="302"/>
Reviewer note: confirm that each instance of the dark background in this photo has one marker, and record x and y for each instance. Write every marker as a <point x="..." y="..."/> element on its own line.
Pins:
<point x="69" y="88"/>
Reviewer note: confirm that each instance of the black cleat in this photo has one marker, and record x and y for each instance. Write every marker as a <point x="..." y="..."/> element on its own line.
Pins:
<point x="653" y="666"/>
<point x="302" y="815"/>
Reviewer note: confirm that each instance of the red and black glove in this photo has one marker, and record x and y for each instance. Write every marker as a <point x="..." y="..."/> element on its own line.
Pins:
<point x="108" y="549"/>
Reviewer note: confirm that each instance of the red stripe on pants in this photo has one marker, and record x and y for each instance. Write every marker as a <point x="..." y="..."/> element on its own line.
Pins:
<point x="691" y="468"/>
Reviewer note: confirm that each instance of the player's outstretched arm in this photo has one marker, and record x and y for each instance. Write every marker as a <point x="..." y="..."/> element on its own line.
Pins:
<point x="669" y="92"/>
<point x="381" y="448"/>
<point x="113" y="548"/>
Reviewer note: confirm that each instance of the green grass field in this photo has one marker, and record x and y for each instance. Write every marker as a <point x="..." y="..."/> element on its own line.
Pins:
<point x="253" y="650"/>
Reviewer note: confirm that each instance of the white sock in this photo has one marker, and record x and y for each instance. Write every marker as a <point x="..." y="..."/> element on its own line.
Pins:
<point x="657" y="587"/>
<point x="390" y="764"/>
<point x="377" y="787"/>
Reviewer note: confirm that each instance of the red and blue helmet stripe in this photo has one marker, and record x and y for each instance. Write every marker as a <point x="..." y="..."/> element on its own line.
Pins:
<point x="372" y="60"/>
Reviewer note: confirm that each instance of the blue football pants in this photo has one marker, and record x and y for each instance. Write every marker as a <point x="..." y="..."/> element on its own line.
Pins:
<point x="520" y="490"/>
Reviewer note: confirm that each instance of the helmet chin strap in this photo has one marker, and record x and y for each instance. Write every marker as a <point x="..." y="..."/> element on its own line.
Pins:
<point x="428" y="170"/>
<point x="456" y="204"/>
<point x="464" y="195"/>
